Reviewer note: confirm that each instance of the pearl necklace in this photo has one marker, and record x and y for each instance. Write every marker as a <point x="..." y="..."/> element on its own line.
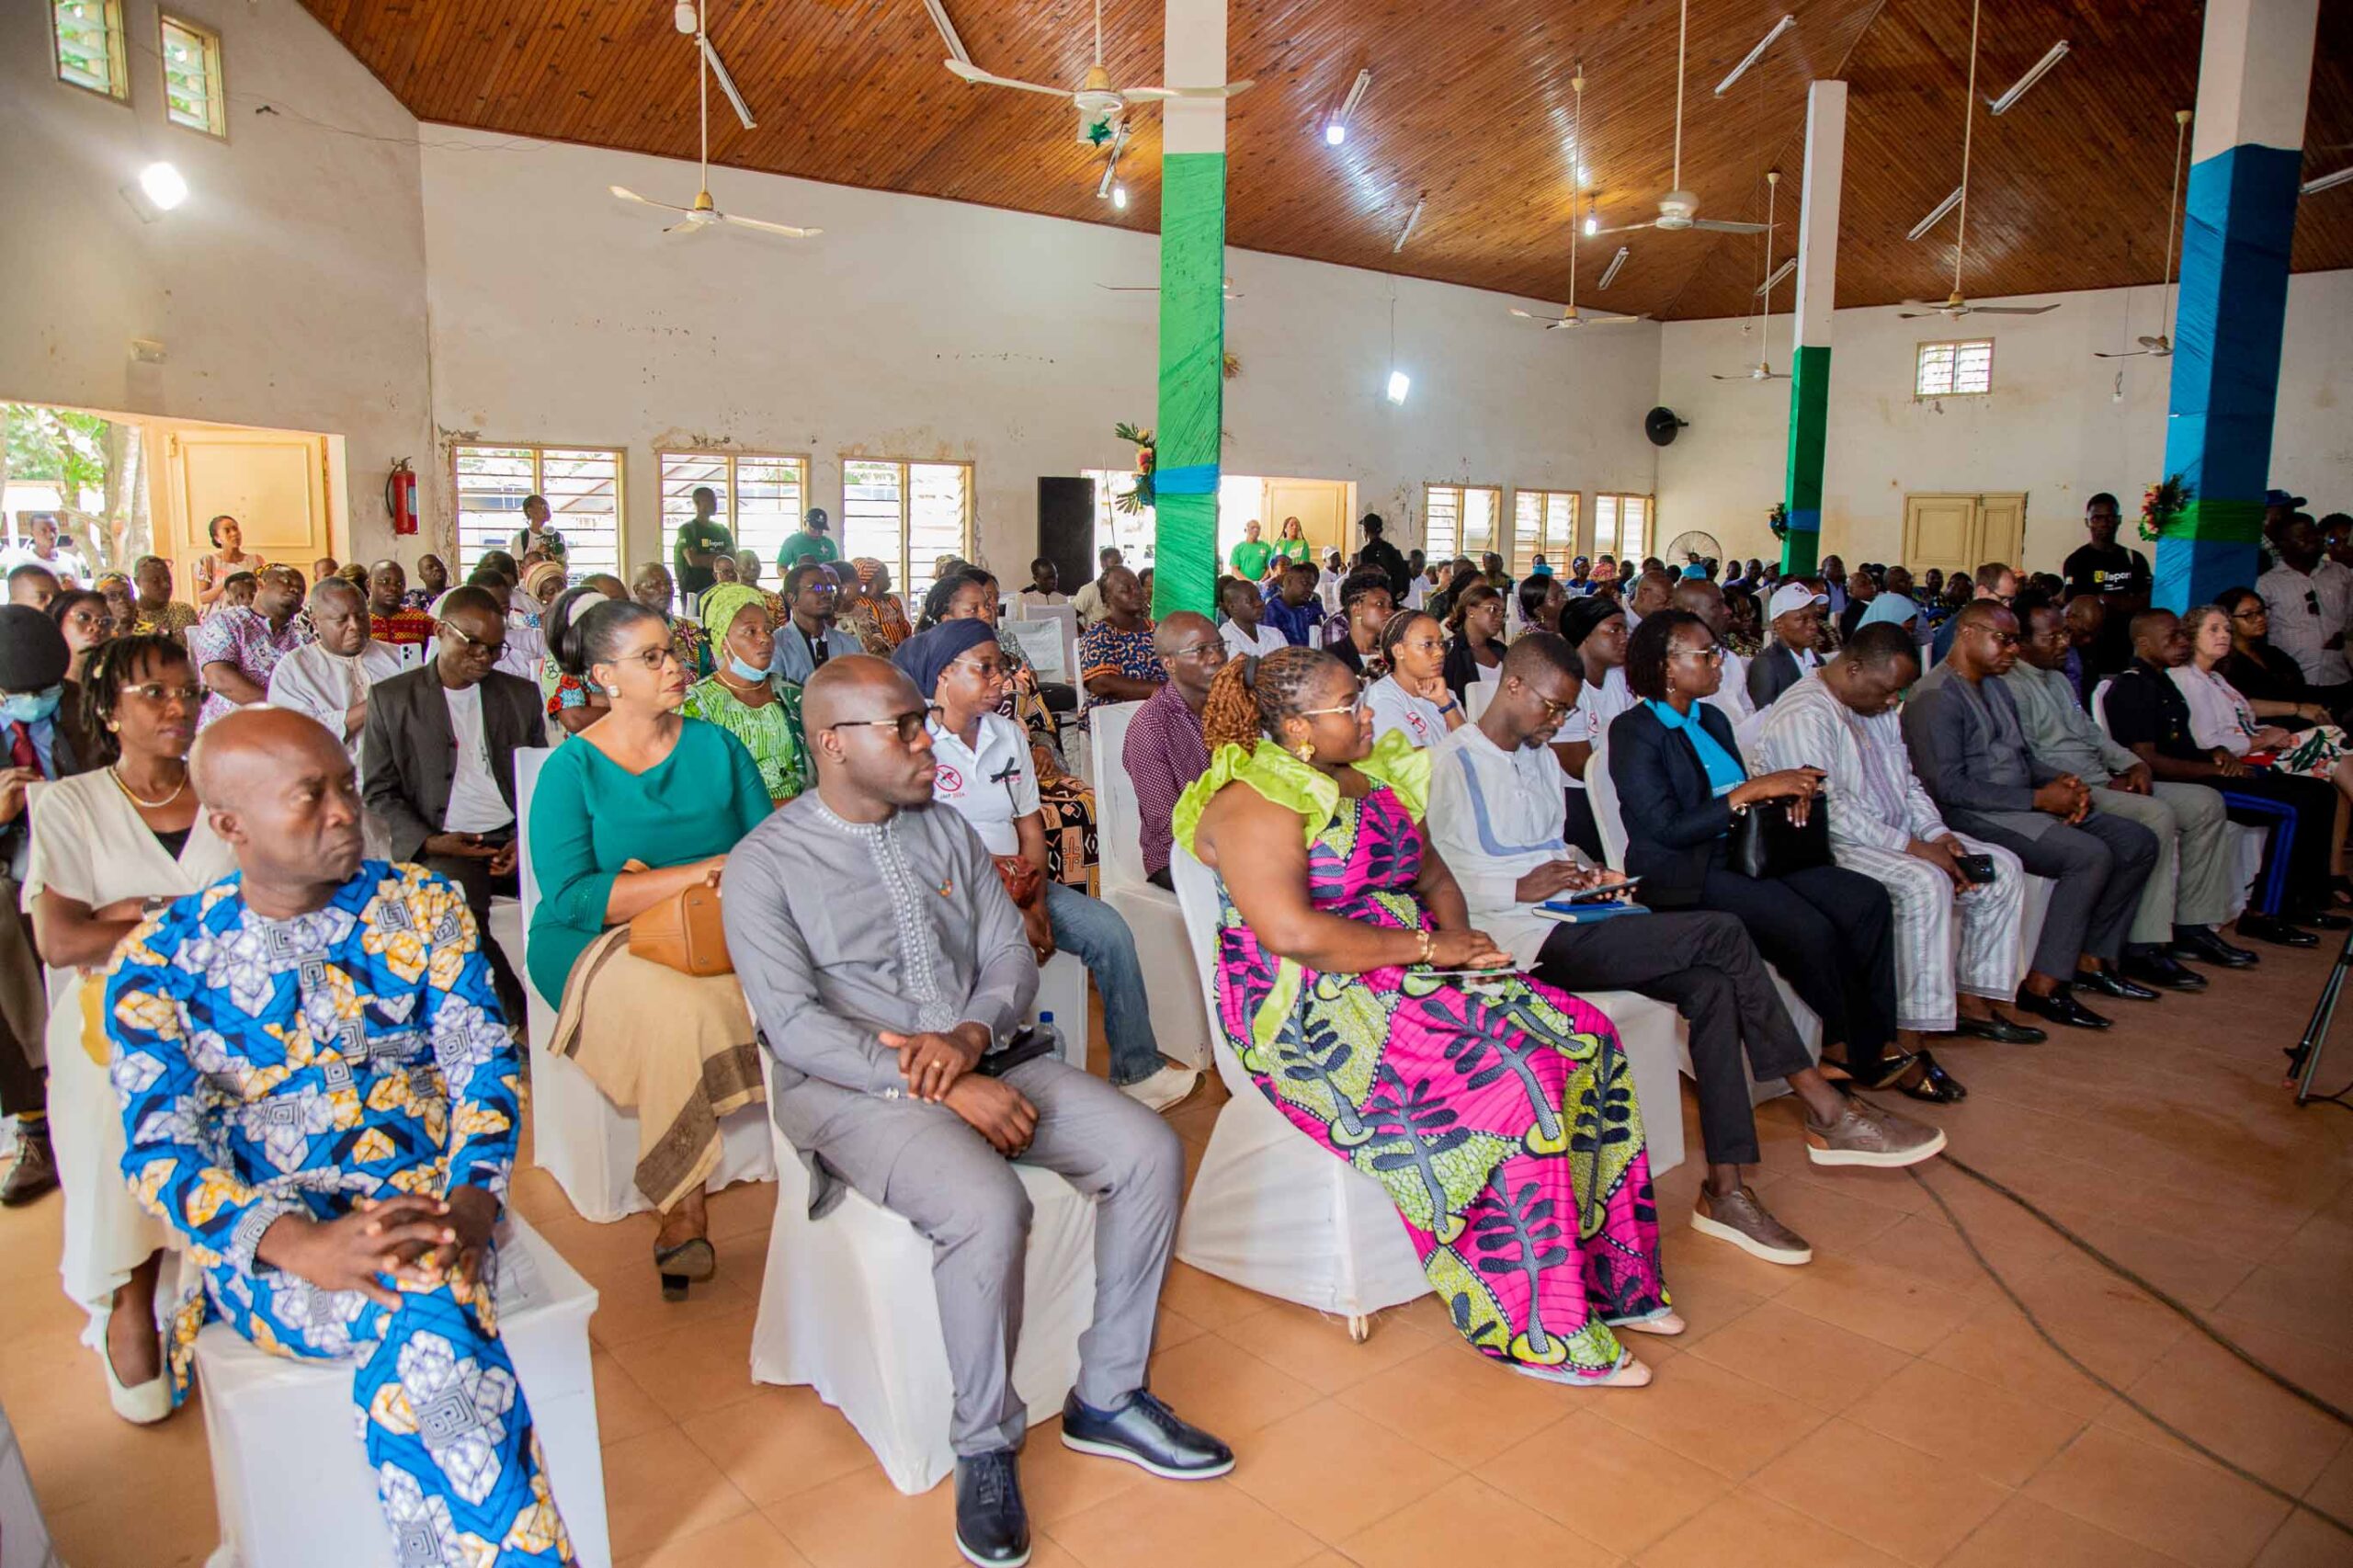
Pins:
<point x="115" y="773"/>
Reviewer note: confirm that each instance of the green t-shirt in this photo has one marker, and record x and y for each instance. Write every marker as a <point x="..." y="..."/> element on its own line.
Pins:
<point x="1249" y="559"/>
<point x="696" y="534"/>
<point x="1293" y="549"/>
<point x="805" y="546"/>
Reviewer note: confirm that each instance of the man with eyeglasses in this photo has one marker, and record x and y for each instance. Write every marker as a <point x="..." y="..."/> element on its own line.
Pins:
<point x="330" y="677"/>
<point x="440" y="745"/>
<point x="809" y="637"/>
<point x="903" y="1068"/>
<point x="2310" y="599"/>
<point x="1164" y="751"/>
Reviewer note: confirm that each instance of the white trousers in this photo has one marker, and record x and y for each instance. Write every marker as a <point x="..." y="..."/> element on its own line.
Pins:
<point x="1930" y="965"/>
<point x="107" y="1233"/>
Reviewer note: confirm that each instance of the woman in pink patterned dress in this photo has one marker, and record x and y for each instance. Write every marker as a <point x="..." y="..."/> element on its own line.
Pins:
<point x="1500" y="1116"/>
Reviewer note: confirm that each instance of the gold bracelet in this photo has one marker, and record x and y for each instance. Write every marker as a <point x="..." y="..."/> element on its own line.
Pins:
<point x="1429" y="945"/>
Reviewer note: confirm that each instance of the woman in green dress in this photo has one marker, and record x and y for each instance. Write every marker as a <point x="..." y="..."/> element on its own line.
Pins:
<point x="742" y="697"/>
<point x="646" y="804"/>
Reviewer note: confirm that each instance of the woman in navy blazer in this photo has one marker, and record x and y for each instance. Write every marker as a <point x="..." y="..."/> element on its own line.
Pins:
<point x="1830" y="932"/>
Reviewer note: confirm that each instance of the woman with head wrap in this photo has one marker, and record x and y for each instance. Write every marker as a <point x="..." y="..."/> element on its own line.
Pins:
<point x="541" y="583"/>
<point x="873" y="611"/>
<point x="1896" y="610"/>
<point x="742" y="697"/>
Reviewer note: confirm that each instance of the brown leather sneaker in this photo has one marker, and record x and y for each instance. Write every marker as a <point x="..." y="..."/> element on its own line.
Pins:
<point x="1739" y="1218"/>
<point x="1867" y="1135"/>
<point x="34" y="1171"/>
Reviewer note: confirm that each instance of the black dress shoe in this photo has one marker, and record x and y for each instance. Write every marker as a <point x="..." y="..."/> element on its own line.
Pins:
<point x="2320" y="920"/>
<point x="2271" y="929"/>
<point x="2061" y="1008"/>
<point x="2201" y="944"/>
<point x="1146" y="1434"/>
<point x="2002" y="1031"/>
<point x="2107" y="982"/>
<point x="992" y="1526"/>
<point x="2155" y="969"/>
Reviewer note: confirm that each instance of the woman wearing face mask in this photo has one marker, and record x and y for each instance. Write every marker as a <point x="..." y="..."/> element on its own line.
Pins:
<point x="107" y="848"/>
<point x="640" y="806"/>
<point x="742" y="697"/>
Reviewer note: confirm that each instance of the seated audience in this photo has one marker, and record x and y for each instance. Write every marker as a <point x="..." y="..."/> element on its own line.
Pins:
<point x="744" y="697"/>
<point x="109" y="847"/>
<point x="2310" y="600"/>
<point x="1245" y="631"/>
<point x="1475" y="647"/>
<point x="1892" y="608"/>
<point x="872" y="609"/>
<point x="31" y="585"/>
<point x="652" y="588"/>
<point x="1744" y="626"/>
<point x="1713" y="606"/>
<point x="1541" y="598"/>
<point x="1418" y="585"/>
<point x="1290" y="608"/>
<point x="432" y="580"/>
<point x="525" y="651"/>
<point x="984" y="774"/>
<point x="1087" y="603"/>
<point x="904" y="1070"/>
<point x="808" y="637"/>
<point x="122" y="602"/>
<point x="2114" y="574"/>
<point x="1496" y="816"/>
<point x="1795" y="615"/>
<point x="1992" y="581"/>
<point x="2261" y="672"/>
<point x="2189" y="891"/>
<point x="2220" y="714"/>
<point x="1366" y="603"/>
<point x="542" y="581"/>
<point x="572" y="701"/>
<point x="159" y="613"/>
<point x="87" y="619"/>
<point x="1045" y="586"/>
<point x="1861" y="589"/>
<point x="1164" y="751"/>
<point x="236" y="649"/>
<point x="1679" y="781"/>
<point x="394" y="622"/>
<point x="236" y="592"/>
<point x="330" y="678"/>
<point x="641" y="806"/>
<point x="1653" y="591"/>
<point x="1412" y="698"/>
<point x="1597" y="631"/>
<point x="1455" y="576"/>
<point x="1843" y="719"/>
<point x="1580" y="579"/>
<point x="1115" y="658"/>
<point x="228" y="560"/>
<point x="1332" y="901"/>
<point x="1969" y="748"/>
<point x="291" y="1214"/>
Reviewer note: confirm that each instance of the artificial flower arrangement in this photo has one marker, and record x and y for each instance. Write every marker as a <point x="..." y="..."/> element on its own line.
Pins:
<point x="2162" y="503"/>
<point x="1778" y="519"/>
<point x="1141" y="496"/>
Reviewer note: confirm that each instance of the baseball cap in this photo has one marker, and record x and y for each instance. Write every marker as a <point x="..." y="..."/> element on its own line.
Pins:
<point x="2282" y="498"/>
<point x="1794" y="595"/>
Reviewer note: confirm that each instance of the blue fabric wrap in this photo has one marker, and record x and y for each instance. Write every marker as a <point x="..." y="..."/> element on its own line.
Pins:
<point x="1193" y="479"/>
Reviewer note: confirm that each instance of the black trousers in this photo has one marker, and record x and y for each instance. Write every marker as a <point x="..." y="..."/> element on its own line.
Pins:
<point x="1582" y="828"/>
<point x="2314" y="802"/>
<point x="1831" y="933"/>
<point x="473" y="879"/>
<point x="1704" y="963"/>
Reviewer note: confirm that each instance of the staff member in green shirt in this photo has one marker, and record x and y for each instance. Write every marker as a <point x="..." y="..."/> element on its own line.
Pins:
<point x="812" y="543"/>
<point x="1293" y="545"/>
<point x="702" y="539"/>
<point x="1250" y="557"/>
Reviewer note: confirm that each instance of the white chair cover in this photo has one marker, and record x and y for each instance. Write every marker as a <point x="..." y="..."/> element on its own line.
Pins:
<point x="847" y="1308"/>
<point x="586" y="1144"/>
<point x="24" y="1534"/>
<point x="1066" y="618"/>
<point x="1178" y="1021"/>
<point x="289" y="1478"/>
<point x="1475" y="697"/>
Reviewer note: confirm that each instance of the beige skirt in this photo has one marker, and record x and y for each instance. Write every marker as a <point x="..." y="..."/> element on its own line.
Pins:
<point x="677" y="1049"/>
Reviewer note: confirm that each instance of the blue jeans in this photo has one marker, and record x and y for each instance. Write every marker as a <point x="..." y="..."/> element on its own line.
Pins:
<point x="1093" y="931"/>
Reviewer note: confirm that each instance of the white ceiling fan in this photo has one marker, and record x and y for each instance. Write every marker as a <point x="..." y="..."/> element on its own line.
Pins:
<point x="1569" y="316"/>
<point x="1100" y="104"/>
<point x="1761" y="371"/>
<point x="1955" y="306"/>
<point x="1678" y="208"/>
<point x="705" y="213"/>
<point x="2161" y="346"/>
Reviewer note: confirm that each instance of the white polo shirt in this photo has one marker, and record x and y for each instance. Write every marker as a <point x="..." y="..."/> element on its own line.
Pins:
<point x="1394" y="708"/>
<point x="992" y="782"/>
<point x="1238" y="642"/>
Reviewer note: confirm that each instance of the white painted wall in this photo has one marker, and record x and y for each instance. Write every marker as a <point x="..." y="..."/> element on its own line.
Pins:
<point x="2054" y="425"/>
<point x="288" y="292"/>
<point x="918" y="328"/>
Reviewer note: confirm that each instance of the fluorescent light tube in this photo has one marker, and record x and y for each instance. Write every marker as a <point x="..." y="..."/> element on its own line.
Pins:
<point x="726" y="83"/>
<point x="1336" y="128"/>
<point x="1762" y="45"/>
<point x="1410" y="218"/>
<point x="2328" y="182"/>
<point x="1778" y="273"/>
<point x="1616" y="262"/>
<point x="1400" y="383"/>
<point x="1930" y="221"/>
<point x="2018" y="88"/>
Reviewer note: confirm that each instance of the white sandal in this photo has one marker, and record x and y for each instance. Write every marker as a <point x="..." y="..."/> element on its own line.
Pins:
<point x="144" y="1405"/>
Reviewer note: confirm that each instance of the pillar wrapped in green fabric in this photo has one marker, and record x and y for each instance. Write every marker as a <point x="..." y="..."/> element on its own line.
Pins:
<point x="1809" y="428"/>
<point x="1192" y="381"/>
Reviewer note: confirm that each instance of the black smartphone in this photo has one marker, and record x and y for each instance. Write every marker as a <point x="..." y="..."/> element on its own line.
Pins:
<point x="1976" y="868"/>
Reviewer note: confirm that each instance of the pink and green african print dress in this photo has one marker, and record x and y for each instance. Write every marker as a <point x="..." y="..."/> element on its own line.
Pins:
<point x="1500" y="1119"/>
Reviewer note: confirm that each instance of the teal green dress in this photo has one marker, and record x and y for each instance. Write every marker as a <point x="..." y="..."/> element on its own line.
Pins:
<point x="590" y="815"/>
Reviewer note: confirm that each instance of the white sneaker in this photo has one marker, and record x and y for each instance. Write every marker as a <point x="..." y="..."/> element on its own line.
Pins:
<point x="1169" y="1088"/>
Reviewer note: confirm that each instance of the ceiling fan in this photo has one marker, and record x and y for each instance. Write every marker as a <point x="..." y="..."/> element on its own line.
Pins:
<point x="1678" y="208"/>
<point x="1231" y="292"/>
<point x="1763" y="371"/>
<point x="1100" y="104"/>
<point x="2161" y="346"/>
<point x="705" y="213"/>
<point x="1568" y="316"/>
<point x="1955" y="305"/>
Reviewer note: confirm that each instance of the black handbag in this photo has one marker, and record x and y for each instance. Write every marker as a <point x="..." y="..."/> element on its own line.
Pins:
<point x="1763" y="842"/>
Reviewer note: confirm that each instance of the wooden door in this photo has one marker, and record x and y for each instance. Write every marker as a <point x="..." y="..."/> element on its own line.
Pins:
<point x="2001" y="530"/>
<point x="273" y="482"/>
<point x="1940" y="530"/>
<point x="1319" y="504"/>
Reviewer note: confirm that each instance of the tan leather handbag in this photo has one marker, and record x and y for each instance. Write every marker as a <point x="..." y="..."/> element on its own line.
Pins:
<point x="684" y="932"/>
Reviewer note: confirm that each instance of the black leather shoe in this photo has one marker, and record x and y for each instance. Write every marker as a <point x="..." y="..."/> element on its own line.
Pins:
<point x="2155" y="969"/>
<point x="2320" y="920"/>
<point x="2201" y="944"/>
<point x="2271" y="929"/>
<point x="2001" y="1031"/>
<point x="1146" y="1434"/>
<point x="2061" y="1008"/>
<point x="2107" y="982"/>
<point x="992" y="1526"/>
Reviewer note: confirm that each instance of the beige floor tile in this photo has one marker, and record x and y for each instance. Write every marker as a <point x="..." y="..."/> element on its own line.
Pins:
<point x="1834" y="1217"/>
<point x="1332" y="1472"/>
<point x="778" y="1442"/>
<point x="1805" y="1358"/>
<point x="861" y="1521"/>
<point x="2304" y="1541"/>
<point x="2334" y="1491"/>
<point x="1467" y="1520"/>
<point x="1057" y="1482"/>
<point x="659" y="1488"/>
<point x="1206" y="1524"/>
<point x="623" y="1409"/>
<point x="1171" y="1328"/>
<point x="1619" y="1490"/>
<point x="2158" y="1496"/>
<point x="1998" y="1347"/>
<point x="1725" y="1421"/>
<point x="2223" y="1403"/>
<point x="748" y="1541"/>
<point x="693" y="1370"/>
<point x="1207" y="1300"/>
<point x="2306" y="1302"/>
<point x="1315" y="1348"/>
<point x="2024" y="1531"/>
<point x="1963" y="1421"/>
<point x="160" y="1521"/>
<point x="1875" y="1489"/>
<point x="1890" y="1305"/>
<point x="741" y="1213"/>
<point x="1753" y="1531"/>
<point x="1221" y="1388"/>
<point x="1464" y="1408"/>
<point x="629" y="1305"/>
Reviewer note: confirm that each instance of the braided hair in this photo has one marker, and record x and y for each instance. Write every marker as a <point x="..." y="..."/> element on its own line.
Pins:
<point x="1394" y="632"/>
<point x="1252" y="695"/>
<point x="110" y="668"/>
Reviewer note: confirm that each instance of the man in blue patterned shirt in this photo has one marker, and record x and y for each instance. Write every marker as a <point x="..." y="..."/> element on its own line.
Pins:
<point x="320" y="1095"/>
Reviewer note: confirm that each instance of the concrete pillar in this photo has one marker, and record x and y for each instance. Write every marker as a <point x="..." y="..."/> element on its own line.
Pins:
<point x="1826" y="156"/>
<point x="2254" y="74"/>
<point x="1192" y="314"/>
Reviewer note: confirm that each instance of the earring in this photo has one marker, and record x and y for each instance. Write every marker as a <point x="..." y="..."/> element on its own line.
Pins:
<point x="1305" y="751"/>
<point x="114" y="723"/>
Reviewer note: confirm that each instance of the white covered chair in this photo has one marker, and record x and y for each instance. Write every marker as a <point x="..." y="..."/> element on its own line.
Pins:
<point x="847" y="1307"/>
<point x="586" y="1142"/>
<point x="289" y="1478"/>
<point x="1475" y="697"/>
<point x="1178" y="1021"/>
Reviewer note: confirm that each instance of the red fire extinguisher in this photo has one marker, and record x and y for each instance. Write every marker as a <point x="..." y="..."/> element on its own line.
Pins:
<point x="399" y="497"/>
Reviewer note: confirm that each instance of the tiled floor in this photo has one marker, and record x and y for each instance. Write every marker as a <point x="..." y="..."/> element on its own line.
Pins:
<point x="1884" y="1405"/>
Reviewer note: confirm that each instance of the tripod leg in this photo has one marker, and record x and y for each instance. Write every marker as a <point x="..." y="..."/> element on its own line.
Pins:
<point x="2304" y="1061"/>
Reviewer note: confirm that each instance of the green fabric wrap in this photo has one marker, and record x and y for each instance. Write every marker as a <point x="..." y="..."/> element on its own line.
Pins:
<point x="1808" y="432"/>
<point x="2219" y="521"/>
<point x="1192" y="378"/>
<point x="1315" y="794"/>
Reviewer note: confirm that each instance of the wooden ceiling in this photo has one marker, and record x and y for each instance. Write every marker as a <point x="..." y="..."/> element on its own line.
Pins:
<point x="1469" y="106"/>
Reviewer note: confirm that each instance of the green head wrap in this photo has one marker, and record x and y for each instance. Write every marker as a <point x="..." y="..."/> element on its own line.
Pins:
<point x="722" y="603"/>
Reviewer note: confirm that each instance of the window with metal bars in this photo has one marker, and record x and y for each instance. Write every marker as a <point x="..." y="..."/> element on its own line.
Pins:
<point x="907" y="515"/>
<point x="88" y="52"/>
<point x="582" y="486"/>
<point x="193" y="96"/>
<point x="1961" y="369"/>
<point x="1621" y="527"/>
<point x="1460" y="519"/>
<point x="1544" y="522"/>
<point x="762" y="496"/>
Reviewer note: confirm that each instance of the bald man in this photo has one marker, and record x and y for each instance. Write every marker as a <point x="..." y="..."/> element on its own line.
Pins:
<point x="1653" y="591"/>
<point x="319" y="1093"/>
<point x="330" y="678"/>
<point x="904" y="1067"/>
<point x="1164" y="751"/>
<point x="1705" y="600"/>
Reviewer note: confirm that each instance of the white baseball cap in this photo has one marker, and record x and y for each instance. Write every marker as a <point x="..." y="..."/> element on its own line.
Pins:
<point x="1795" y="593"/>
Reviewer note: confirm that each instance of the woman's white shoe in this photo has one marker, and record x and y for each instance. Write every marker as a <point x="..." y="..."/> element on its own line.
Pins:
<point x="141" y="1406"/>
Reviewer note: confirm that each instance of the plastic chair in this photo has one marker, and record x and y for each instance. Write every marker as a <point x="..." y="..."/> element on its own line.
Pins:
<point x="1178" y="1021"/>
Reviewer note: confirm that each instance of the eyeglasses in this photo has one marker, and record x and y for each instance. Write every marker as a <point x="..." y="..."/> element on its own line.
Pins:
<point x="2001" y="639"/>
<point x="1196" y="650"/>
<point x="2249" y="614"/>
<point x="1712" y="653"/>
<point x="909" y="724"/>
<point x="1350" y="709"/>
<point x="493" y="648"/>
<point x="156" y="691"/>
<point x="989" y="667"/>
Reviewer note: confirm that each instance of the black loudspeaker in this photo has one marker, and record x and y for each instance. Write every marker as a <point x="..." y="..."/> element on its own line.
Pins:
<point x="1660" y="424"/>
<point x="1066" y="534"/>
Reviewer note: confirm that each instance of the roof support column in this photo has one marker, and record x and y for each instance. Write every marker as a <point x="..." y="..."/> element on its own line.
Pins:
<point x="1192" y="314"/>
<point x="1826" y="156"/>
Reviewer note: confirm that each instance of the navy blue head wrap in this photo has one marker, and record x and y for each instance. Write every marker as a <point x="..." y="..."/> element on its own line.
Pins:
<point x="926" y="653"/>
